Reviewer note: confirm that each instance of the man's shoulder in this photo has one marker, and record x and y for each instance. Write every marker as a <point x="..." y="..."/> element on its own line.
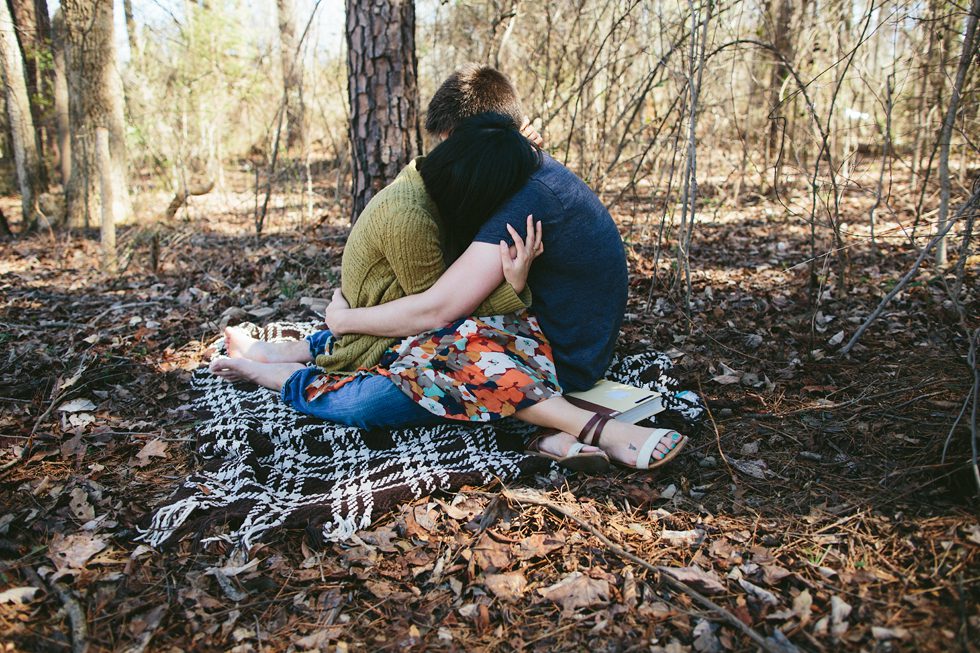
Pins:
<point x="554" y="180"/>
<point x="552" y="173"/>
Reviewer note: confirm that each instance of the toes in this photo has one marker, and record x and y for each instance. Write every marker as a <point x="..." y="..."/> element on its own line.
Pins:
<point x="666" y="445"/>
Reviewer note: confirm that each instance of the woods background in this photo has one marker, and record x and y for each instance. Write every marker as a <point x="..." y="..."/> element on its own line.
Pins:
<point x="837" y="98"/>
<point x="796" y="185"/>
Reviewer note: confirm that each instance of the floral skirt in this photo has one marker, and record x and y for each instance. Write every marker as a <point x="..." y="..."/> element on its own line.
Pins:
<point x="475" y="369"/>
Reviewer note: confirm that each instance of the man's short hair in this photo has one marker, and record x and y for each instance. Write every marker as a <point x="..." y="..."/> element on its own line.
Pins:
<point x="471" y="90"/>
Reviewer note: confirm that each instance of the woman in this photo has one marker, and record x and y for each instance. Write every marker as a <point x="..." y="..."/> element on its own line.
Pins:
<point x="474" y="369"/>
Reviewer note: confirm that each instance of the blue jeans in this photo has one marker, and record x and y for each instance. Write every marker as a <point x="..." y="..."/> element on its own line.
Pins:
<point x="366" y="402"/>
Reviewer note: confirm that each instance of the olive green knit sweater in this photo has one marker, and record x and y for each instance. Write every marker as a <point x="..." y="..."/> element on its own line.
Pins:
<point x="393" y="250"/>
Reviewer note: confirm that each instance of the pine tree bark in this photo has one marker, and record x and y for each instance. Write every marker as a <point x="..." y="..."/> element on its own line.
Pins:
<point x="292" y="72"/>
<point x="26" y="158"/>
<point x="382" y="72"/>
<point x="95" y="100"/>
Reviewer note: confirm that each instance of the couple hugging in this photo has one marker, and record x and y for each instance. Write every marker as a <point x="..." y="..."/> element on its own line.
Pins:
<point x="446" y="251"/>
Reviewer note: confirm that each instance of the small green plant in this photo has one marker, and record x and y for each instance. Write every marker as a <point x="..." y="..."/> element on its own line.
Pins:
<point x="289" y="288"/>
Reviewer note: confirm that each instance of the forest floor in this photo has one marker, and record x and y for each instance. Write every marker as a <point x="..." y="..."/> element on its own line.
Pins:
<point x="814" y="508"/>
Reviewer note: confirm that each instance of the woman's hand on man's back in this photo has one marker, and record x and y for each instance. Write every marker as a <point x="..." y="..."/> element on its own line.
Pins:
<point x="516" y="260"/>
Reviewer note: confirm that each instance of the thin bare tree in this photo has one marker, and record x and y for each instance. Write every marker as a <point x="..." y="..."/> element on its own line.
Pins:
<point x="946" y="134"/>
<point x="292" y="72"/>
<point x="60" y="93"/>
<point x="26" y="158"/>
<point x="33" y="33"/>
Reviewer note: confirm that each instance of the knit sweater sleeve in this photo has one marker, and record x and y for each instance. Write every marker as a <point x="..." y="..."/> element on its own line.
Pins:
<point x="410" y="242"/>
<point x="505" y="300"/>
<point x="415" y="255"/>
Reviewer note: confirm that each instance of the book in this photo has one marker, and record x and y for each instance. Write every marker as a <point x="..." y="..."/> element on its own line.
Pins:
<point x="625" y="403"/>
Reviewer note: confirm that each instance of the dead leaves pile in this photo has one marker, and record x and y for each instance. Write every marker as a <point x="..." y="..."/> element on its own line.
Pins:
<point x="812" y="515"/>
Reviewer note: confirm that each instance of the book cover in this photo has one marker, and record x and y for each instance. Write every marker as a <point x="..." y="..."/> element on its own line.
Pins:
<point x="624" y="402"/>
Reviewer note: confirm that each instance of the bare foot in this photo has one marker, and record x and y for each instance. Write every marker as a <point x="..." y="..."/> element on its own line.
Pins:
<point x="559" y="444"/>
<point x="243" y="346"/>
<point x="267" y="375"/>
<point x="233" y="369"/>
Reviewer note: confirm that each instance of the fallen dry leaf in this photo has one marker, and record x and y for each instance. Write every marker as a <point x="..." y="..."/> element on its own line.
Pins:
<point x="72" y="552"/>
<point x="577" y="590"/>
<point x="77" y="406"/>
<point x="491" y="554"/>
<point x="539" y="545"/>
<point x="507" y="587"/>
<point x="681" y="538"/>
<point x="840" y="610"/>
<point x="879" y="632"/>
<point x="318" y="640"/>
<point x="802" y="606"/>
<point x="630" y="591"/>
<point x="699" y="579"/>
<point x="728" y="376"/>
<point x="772" y="574"/>
<point x="754" y="468"/>
<point x="705" y="640"/>
<point x="154" y="448"/>
<point x="765" y="596"/>
<point x="80" y="506"/>
<point x="18" y="595"/>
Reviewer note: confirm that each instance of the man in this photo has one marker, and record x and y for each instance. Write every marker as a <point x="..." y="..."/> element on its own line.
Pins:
<point x="578" y="283"/>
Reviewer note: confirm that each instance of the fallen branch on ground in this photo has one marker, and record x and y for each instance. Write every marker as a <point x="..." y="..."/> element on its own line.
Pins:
<point x="76" y="616"/>
<point x="535" y="498"/>
<point x="974" y="198"/>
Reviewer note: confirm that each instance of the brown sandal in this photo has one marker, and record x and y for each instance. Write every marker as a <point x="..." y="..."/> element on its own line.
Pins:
<point x="592" y="433"/>
<point x="591" y="462"/>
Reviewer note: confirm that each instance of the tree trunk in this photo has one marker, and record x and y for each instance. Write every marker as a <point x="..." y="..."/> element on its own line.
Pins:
<point x="292" y="72"/>
<point x="62" y="124"/>
<point x="33" y="33"/>
<point x="95" y="100"/>
<point x="381" y="71"/>
<point x="134" y="46"/>
<point x="778" y="20"/>
<point x="26" y="157"/>
<point x="946" y="134"/>
<point x="103" y="162"/>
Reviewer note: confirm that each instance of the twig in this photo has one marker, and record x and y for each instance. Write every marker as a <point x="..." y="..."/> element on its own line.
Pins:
<point x="119" y="307"/>
<point x="535" y="498"/>
<point x="971" y="359"/>
<point x="152" y="621"/>
<point x="846" y="349"/>
<point x="76" y="616"/>
<point x="714" y="426"/>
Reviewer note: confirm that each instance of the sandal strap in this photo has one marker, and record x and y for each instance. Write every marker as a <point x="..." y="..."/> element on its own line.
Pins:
<point x="645" y="454"/>
<point x="597" y="422"/>
<point x="575" y="449"/>
<point x="533" y="443"/>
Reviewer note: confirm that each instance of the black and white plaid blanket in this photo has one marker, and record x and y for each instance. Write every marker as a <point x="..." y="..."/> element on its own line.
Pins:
<point x="268" y="466"/>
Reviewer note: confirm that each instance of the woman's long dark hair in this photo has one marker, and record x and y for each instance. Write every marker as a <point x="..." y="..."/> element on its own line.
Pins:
<point x="473" y="172"/>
